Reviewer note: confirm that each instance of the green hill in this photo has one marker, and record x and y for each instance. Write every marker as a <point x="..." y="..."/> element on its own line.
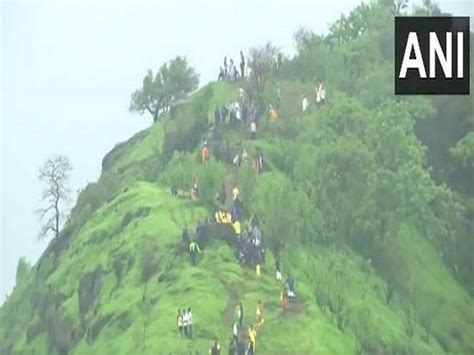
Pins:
<point x="347" y="198"/>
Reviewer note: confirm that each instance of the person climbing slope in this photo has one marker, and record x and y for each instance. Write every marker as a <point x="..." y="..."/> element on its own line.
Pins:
<point x="204" y="153"/>
<point x="194" y="250"/>
<point x="216" y="349"/>
<point x="179" y="323"/>
<point x="259" y="313"/>
<point x="235" y="332"/>
<point x="185" y="323"/>
<point x="242" y="64"/>
<point x="240" y="314"/>
<point x="253" y="337"/>
<point x="190" y="323"/>
<point x="235" y="192"/>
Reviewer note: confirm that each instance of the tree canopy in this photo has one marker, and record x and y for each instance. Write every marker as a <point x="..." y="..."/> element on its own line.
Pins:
<point x="173" y="81"/>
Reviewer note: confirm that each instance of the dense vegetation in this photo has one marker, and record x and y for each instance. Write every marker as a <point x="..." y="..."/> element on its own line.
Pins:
<point x="368" y="199"/>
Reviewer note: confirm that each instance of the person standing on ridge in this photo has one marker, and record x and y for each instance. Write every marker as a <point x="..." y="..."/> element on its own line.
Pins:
<point x="242" y="65"/>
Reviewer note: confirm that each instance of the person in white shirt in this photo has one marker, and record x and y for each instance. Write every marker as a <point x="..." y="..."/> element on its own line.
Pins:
<point x="235" y="193"/>
<point x="253" y="129"/>
<point x="318" y="93"/>
<point x="185" y="322"/>
<point x="190" y="323"/>
<point x="305" y="103"/>
<point x="235" y="331"/>
<point x="322" y="93"/>
<point x="238" y="114"/>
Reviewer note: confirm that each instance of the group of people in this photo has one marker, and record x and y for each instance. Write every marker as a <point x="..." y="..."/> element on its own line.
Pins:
<point x="237" y="346"/>
<point x="229" y="71"/>
<point x="184" y="322"/>
<point x="242" y="112"/>
<point x="320" y="97"/>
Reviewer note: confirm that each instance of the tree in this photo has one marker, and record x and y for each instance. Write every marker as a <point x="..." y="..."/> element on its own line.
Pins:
<point x="173" y="82"/>
<point x="55" y="174"/>
<point x="263" y="62"/>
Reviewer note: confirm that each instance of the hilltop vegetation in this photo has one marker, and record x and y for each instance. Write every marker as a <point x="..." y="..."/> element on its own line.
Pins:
<point x="367" y="200"/>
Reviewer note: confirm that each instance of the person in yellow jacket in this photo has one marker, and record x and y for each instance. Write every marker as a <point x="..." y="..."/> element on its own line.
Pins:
<point x="253" y="336"/>
<point x="272" y="113"/>
<point x="236" y="226"/>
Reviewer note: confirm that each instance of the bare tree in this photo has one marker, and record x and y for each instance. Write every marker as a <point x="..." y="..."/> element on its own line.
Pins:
<point x="55" y="174"/>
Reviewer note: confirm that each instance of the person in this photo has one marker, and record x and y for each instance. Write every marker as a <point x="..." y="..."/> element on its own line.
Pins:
<point x="278" y="268"/>
<point x="231" y="71"/>
<point x="235" y="192"/>
<point x="216" y="349"/>
<point x="242" y="64"/>
<point x="185" y="323"/>
<point x="244" y="155"/>
<point x="253" y="129"/>
<point x="259" y="312"/>
<point x="221" y="75"/>
<point x="318" y="93"/>
<point x="236" y="226"/>
<point x="249" y="349"/>
<point x="240" y="314"/>
<point x="179" y="322"/>
<point x="290" y="285"/>
<point x="200" y="233"/>
<point x="254" y="222"/>
<point x="272" y="113"/>
<point x="190" y="323"/>
<point x="204" y="153"/>
<point x="194" y="251"/>
<point x="305" y="103"/>
<point x="225" y="66"/>
<point x="174" y="190"/>
<point x="322" y="94"/>
<point x="194" y="190"/>
<point x="284" y="300"/>
<point x="253" y="337"/>
<point x="235" y="332"/>
<point x="279" y="62"/>
<point x="238" y="113"/>
<point x="241" y="93"/>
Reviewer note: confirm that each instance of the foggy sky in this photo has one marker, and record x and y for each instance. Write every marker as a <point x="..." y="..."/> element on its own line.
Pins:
<point x="68" y="69"/>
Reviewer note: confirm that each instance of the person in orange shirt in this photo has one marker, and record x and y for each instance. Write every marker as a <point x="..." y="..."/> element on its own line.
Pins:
<point x="204" y="153"/>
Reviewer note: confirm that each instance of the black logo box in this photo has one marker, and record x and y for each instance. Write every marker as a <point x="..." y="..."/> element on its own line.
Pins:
<point x="412" y="84"/>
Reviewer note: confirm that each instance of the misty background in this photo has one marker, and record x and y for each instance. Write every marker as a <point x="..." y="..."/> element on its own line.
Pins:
<point x="68" y="69"/>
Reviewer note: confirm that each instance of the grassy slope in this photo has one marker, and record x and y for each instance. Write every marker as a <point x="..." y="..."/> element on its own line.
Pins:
<point x="215" y="285"/>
